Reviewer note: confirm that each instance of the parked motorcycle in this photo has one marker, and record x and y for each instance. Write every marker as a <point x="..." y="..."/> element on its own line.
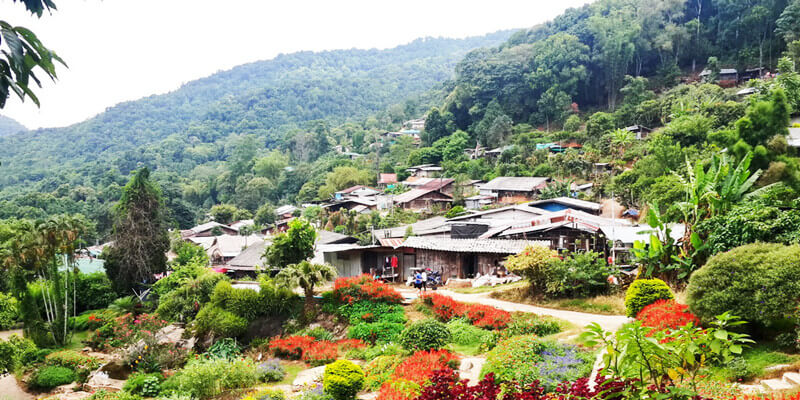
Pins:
<point x="434" y="279"/>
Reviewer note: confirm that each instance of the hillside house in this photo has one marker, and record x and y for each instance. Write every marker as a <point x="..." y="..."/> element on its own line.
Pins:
<point x="387" y="180"/>
<point x="641" y="132"/>
<point x="415" y="124"/>
<point x="563" y="203"/>
<point x="424" y="171"/>
<point x="208" y="229"/>
<point x="359" y="191"/>
<point x="422" y="199"/>
<point x="514" y="189"/>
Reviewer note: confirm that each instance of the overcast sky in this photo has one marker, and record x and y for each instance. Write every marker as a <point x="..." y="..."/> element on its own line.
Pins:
<point x="120" y="50"/>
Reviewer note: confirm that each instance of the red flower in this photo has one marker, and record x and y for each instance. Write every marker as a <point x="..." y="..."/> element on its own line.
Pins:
<point x="667" y="314"/>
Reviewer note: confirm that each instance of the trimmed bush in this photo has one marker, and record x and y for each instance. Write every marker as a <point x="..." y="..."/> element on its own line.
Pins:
<point x="427" y="334"/>
<point x="527" y="359"/>
<point x="220" y="323"/>
<point x="379" y="370"/>
<point x="376" y="332"/>
<point x="755" y="282"/>
<point x="343" y="380"/>
<point x="464" y="333"/>
<point x="644" y="292"/>
<point x="49" y="377"/>
<point x="244" y="303"/>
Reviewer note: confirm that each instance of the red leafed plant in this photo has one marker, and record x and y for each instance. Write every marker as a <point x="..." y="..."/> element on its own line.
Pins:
<point x="409" y="376"/>
<point x="487" y="317"/>
<point x="321" y="353"/>
<point x="290" y="347"/>
<point x="482" y="316"/>
<point x="667" y="314"/>
<point x="364" y="287"/>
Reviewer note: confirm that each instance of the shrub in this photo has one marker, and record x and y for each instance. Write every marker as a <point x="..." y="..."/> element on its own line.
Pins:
<point x="93" y="291"/>
<point x="183" y="302"/>
<point x="370" y="311"/>
<point x="444" y="307"/>
<point x="364" y="287"/>
<point x="224" y="348"/>
<point x="376" y="332"/>
<point x="343" y="380"/>
<point x="318" y="333"/>
<point x="9" y="312"/>
<point x="144" y="384"/>
<point x="383" y="349"/>
<point x="208" y="378"/>
<point x="49" y="377"/>
<point x="738" y="370"/>
<point x="528" y="359"/>
<point x="644" y="292"/>
<point x="425" y="335"/>
<point x="752" y="281"/>
<point x="464" y="333"/>
<point x="271" y="371"/>
<point x="379" y="369"/>
<point x="103" y="395"/>
<point x="487" y="317"/>
<point x="218" y="322"/>
<point x="290" y="347"/>
<point x="320" y="353"/>
<point x="667" y="314"/>
<point x="16" y="352"/>
<point x="244" y="303"/>
<point x="408" y="377"/>
<point x="80" y="322"/>
<point x="578" y="275"/>
<point x="81" y="364"/>
<point x="265" y="394"/>
<point x="534" y="264"/>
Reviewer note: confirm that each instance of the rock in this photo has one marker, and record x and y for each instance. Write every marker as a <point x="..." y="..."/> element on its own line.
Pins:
<point x="100" y="380"/>
<point x="368" y="396"/>
<point x="115" y="369"/>
<point x="776" y="385"/>
<point x="74" y="396"/>
<point x="471" y="369"/>
<point x="466" y="365"/>
<point x="68" y="388"/>
<point x="308" y="378"/>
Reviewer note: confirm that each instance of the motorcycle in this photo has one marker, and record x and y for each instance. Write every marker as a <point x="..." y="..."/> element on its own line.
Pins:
<point x="434" y="279"/>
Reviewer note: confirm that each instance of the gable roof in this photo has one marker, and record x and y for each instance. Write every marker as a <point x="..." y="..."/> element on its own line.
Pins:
<point x="232" y="245"/>
<point x="437" y="183"/>
<point x="516" y="183"/>
<point x="426" y="226"/>
<point x="414" y="194"/>
<point x="328" y="237"/>
<point x="493" y="246"/>
<point x="352" y="189"/>
<point x="387" y="178"/>
<point x="209" y="226"/>
<point x="249" y="258"/>
<point x="517" y="211"/>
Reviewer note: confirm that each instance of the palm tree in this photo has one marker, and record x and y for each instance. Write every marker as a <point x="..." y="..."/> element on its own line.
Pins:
<point x="306" y="275"/>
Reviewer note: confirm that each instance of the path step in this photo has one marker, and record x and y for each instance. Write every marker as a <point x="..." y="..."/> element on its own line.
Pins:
<point x="792" y="378"/>
<point x="777" y="384"/>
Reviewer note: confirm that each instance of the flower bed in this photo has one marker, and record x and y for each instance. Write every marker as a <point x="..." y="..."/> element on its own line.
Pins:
<point x="410" y="375"/>
<point x="351" y="290"/>
<point x="482" y="316"/>
<point x="311" y="350"/>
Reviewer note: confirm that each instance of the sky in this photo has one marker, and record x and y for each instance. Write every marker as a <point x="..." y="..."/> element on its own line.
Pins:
<point x="120" y="50"/>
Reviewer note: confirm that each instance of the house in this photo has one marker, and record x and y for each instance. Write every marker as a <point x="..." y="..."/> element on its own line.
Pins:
<point x="225" y="247"/>
<point x="422" y="199"/>
<point x="250" y="259"/>
<point x="746" y="92"/>
<point x="238" y="225"/>
<point x="387" y="180"/>
<point x="424" y="170"/>
<point x="514" y="189"/>
<point x="752" y="73"/>
<point x="563" y="203"/>
<point x="415" y="124"/>
<point x="357" y="204"/>
<point x="286" y="211"/>
<point x="641" y="131"/>
<point x="461" y="258"/>
<point x="435" y="226"/>
<point x="354" y="260"/>
<point x="328" y="237"/>
<point x="623" y="237"/>
<point x="728" y="77"/>
<point x="208" y="229"/>
<point x="602" y="168"/>
<point x="479" y="201"/>
<point x="356" y="191"/>
<point x="445" y="185"/>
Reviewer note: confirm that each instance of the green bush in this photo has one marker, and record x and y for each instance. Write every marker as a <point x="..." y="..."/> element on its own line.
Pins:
<point x="245" y="303"/>
<point x="383" y="349"/>
<point x="271" y="371"/>
<point x="93" y="291"/>
<point x="179" y="304"/>
<point x="754" y="282"/>
<point x="318" y="333"/>
<point x="376" y="332"/>
<point x="464" y="333"/>
<point x="49" y="377"/>
<point x="80" y="322"/>
<point x="144" y="384"/>
<point x="427" y="334"/>
<point x="644" y="292"/>
<point x="739" y="370"/>
<point x="181" y="274"/>
<point x="9" y="311"/>
<point x="379" y="370"/>
<point x="207" y="378"/>
<point x="267" y="394"/>
<point x="370" y="311"/>
<point x="224" y="348"/>
<point x="343" y="380"/>
<point x="525" y="359"/>
<point x="579" y="275"/>
<point x="531" y="324"/>
<point x="16" y="352"/>
<point x="218" y="322"/>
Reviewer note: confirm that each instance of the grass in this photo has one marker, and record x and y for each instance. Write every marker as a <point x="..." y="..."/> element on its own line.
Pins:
<point x="467" y="350"/>
<point x="485" y="289"/>
<point x="292" y="369"/>
<point x="77" y="340"/>
<point x="613" y="304"/>
<point x="759" y="357"/>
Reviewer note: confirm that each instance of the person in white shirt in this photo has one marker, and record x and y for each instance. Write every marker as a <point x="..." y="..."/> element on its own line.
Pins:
<point x="424" y="281"/>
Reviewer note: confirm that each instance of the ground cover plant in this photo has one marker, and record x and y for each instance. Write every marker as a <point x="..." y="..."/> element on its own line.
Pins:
<point x="482" y="316"/>
<point x="409" y="375"/>
<point x="312" y="350"/>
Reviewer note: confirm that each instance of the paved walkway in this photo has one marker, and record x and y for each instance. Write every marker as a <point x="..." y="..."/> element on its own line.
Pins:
<point x="607" y="322"/>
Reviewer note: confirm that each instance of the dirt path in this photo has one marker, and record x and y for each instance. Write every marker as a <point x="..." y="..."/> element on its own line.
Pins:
<point x="6" y="334"/>
<point x="607" y="322"/>
<point x="9" y="390"/>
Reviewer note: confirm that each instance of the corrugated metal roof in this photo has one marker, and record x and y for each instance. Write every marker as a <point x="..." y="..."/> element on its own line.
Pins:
<point x="391" y="242"/>
<point x="208" y="225"/>
<point x="249" y="258"/>
<point x="570" y="202"/>
<point x="515" y="183"/>
<point x="413" y="194"/>
<point x="470" y="245"/>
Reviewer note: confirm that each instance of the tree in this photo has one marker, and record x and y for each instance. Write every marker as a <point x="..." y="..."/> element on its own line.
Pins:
<point x="343" y="178"/>
<point x="140" y="239"/>
<point x="306" y="276"/>
<point x="223" y="213"/>
<point x="454" y="150"/>
<point x="712" y="65"/>
<point x="271" y="166"/>
<point x="599" y="124"/>
<point x="293" y="246"/>
<point x="788" y="24"/>
<point x="23" y="54"/>
<point x="765" y="119"/>
<point x="265" y="215"/>
<point x="614" y="35"/>
<point x="437" y="125"/>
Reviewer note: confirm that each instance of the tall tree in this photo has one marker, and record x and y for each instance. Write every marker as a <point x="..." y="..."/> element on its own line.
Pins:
<point x="140" y="240"/>
<point x="293" y="246"/>
<point x="614" y="48"/>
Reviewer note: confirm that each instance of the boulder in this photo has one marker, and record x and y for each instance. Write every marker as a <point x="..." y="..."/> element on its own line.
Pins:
<point x="101" y="381"/>
<point x="308" y="378"/>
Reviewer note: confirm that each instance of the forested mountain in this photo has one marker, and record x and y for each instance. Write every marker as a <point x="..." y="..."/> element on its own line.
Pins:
<point x="10" y="126"/>
<point x="174" y="132"/>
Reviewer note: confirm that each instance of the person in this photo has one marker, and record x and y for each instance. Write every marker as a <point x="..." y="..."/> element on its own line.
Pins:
<point x="418" y="281"/>
<point x="425" y="280"/>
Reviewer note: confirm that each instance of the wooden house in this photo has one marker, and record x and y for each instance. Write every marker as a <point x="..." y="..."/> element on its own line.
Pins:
<point x="514" y="189"/>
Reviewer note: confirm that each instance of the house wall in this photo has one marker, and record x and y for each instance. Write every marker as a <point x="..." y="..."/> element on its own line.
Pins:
<point x="347" y="263"/>
<point x="514" y="197"/>
<point x="454" y="265"/>
<point x="424" y="201"/>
